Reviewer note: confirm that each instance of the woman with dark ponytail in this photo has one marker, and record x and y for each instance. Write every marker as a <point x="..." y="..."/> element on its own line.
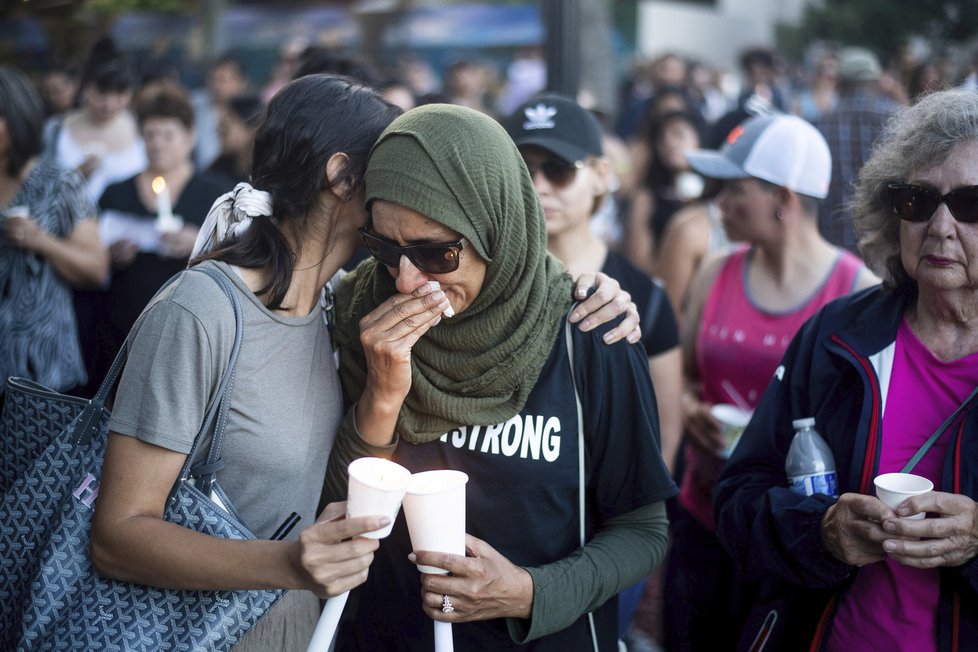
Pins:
<point x="310" y="153"/>
<point x="279" y="242"/>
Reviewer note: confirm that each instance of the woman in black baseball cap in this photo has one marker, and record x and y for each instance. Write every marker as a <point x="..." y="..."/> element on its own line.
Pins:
<point x="561" y="143"/>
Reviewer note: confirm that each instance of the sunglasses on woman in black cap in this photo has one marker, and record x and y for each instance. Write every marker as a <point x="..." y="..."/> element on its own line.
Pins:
<point x="558" y="172"/>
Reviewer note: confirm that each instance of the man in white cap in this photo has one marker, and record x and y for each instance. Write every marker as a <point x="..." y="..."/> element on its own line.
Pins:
<point x="850" y="130"/>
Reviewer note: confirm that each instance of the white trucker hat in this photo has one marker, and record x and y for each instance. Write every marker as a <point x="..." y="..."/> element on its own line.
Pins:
<point x="782" y="149"/>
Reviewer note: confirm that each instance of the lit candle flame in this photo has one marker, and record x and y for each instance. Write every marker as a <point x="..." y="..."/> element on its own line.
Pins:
<point x="166" y="222"/>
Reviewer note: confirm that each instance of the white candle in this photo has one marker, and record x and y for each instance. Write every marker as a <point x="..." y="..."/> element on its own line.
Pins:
<point x="444" y="641"/>
<point x="376" y="486"/>
<point x="164" y="209"/>
<point x="165" y="221"/>
<point x="329" y="619"/>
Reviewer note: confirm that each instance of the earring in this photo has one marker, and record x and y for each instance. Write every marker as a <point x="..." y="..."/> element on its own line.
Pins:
<point x="779" y="216"/>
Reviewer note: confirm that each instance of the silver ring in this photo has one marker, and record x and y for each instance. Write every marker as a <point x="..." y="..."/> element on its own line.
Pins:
<point x="446" y="605"/>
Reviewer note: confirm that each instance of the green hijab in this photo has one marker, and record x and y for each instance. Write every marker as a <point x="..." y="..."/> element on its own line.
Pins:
<point x="460" y="168"/>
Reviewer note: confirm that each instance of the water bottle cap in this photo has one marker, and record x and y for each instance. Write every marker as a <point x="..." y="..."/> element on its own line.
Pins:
<point x="808" y="422"/>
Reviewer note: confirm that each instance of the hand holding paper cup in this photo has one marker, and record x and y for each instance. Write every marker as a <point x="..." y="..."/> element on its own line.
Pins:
<point x="434" y="507"/>
<point x="733" y="421"/>
<point x="376" y="487"/>
<point x="894" y="488"/>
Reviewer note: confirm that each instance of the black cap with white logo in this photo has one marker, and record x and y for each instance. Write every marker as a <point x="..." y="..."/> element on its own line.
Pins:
<point x="557" y="124"/>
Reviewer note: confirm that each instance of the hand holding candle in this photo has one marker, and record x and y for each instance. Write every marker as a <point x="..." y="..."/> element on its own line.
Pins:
<point x="434" y="507"/>
<point x="376" y="486"/>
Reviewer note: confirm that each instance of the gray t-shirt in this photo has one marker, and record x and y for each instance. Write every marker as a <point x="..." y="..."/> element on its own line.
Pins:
<point x="286" y="401"/>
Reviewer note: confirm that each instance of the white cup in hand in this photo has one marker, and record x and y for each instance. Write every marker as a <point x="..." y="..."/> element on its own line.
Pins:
<point x="894" y="488"/>
<point x="733" y="421"/>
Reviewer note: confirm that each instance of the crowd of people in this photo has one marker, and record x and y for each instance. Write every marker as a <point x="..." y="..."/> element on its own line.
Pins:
<point x="802" y="246"/>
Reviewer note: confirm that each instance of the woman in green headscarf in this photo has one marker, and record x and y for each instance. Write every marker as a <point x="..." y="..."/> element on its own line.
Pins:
<point x="456" y="227"/>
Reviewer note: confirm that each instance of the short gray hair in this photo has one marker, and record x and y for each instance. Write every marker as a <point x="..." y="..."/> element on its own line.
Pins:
<point x="916" y="138"/>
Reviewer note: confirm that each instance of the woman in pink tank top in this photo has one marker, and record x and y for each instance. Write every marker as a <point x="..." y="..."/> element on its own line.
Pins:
<point x="743" y="308"/>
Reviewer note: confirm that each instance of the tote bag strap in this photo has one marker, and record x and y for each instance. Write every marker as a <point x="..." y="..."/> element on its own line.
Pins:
<point x="216" y="416"/>
<point x="88" y="421"/>
<point x="926" y="446"/>
<point x="568" y="336"/>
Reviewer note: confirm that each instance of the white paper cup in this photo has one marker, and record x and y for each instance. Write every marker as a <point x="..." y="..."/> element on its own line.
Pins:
<point x="376" y="486"/>
<point x="434" y="508"/>
<point x="733" y="421"/>
<point x="894" y="488"/>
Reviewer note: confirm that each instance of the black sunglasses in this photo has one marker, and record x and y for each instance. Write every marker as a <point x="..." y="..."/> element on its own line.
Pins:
<point x="432" y="258"/>
<point x="556" y="171"/>
<point x="915" y="203"/>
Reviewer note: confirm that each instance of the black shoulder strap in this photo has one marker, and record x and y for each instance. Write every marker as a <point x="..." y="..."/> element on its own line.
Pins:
<point x="908" y="467"/>
<point x="581" y="486"/>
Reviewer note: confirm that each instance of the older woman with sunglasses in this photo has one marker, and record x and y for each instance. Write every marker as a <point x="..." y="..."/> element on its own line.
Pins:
<point x="482" y="381"/>
<point x="889" y="375"/>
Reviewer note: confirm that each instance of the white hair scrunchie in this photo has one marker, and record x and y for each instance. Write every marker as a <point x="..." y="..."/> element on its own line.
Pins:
<point x="232" y="213"/>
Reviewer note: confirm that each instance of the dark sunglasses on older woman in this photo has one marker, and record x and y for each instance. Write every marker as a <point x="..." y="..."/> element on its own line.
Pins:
<point x="431" y="258"/>
<point x="558" y="172"/>
<point x="915" y="203"/>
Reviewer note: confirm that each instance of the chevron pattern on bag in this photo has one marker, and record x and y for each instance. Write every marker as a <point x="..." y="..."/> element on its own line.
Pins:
<point x="51" y="598"/>
<point x="30" y="512"/>
<point x="32" y="416"/>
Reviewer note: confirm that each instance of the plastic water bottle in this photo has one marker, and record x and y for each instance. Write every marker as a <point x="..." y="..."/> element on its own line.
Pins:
<point x="810" y="466"/>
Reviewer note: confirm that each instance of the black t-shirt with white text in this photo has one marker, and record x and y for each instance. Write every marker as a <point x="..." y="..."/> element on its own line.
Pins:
<point x="522" y="494"/>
